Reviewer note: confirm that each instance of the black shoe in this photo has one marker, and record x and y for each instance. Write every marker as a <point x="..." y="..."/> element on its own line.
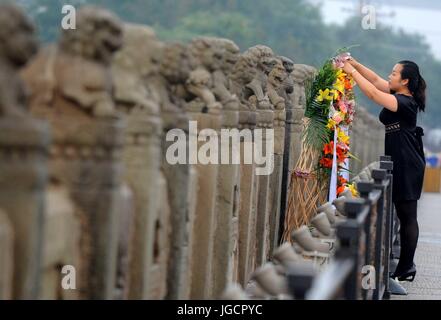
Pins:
<point x="408" y="275"/>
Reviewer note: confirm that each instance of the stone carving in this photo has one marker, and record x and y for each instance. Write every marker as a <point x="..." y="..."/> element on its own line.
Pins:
<point x="276" y="82"/>
<point x="251" y="75"/>
<point x="23" y="175"/>
<point x="133" y="225"/>
<point x="78" y="67"/>
<point x="175" y="68"/>
<point x="71" y="86"/>
<point x="226" y="232"/>
<point x="287" y="87"/>
<point x="282" y="118"/>
<point x="229" y="53"/>
<point x="300" y="74"/>
<point x="131" y="68"/>
<point x="17" y="46"/>
<point x="286" y="91"/>
<point x="6" y="256"/>
<point x="138" y="61"/>
<point x="205" y="60"/>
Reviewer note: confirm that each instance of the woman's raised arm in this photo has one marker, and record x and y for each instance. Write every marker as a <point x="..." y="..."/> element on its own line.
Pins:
<point x="384" y="99"/>
<point x="370" y="75"/>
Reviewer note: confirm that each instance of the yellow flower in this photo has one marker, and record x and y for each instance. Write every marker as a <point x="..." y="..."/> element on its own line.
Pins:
<point x="324" y="95"/>
<point x="339" y="85"/>
<point x="353" y="190"/>
<point x="340" y="74"/>
<point x="334" y="93"/>
<point x="331" y="124"/>
<point x="342" y="137"/>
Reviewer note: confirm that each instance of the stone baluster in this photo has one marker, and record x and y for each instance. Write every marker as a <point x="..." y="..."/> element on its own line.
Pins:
<point x="204" y="112"/>
<point x="146" y="252"/>
<point x="23" y="157"/>
<point x="262" y="97"/>
<point x="284" y="89"/>
<point x="6" y="256"/>
<point x="243" y="74"/>
<point x="23" y="177"/>
<point x="181" y="177"/>
<point x="226" y="233"/>
<point x="87" y="144"/>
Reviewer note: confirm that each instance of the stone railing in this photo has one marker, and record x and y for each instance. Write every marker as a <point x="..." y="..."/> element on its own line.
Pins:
<point x="92" y="205"/>
<point x="344" y="253"/>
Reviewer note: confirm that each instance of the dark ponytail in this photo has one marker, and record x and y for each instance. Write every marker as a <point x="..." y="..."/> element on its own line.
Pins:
<point x="417" y="84"/>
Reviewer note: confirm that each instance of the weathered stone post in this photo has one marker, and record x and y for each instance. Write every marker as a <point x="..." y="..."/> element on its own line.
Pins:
<point x="266" y="62"/>
<point x="242" y="75"/>
<point x="23" y="145"/>
<point x="181" y="177"/>
<point x="280" y="173"/>
<point x="142" y="160"/>
<point x="227" y="205"/>
<point x="61" y="237"/>
<point x="86" y="150"/>
<point x="6" y="256"/>
<point x="23" y="178"/>
<point x="23" y="155"/>
<point x="205" y="113"/>
<point x="272" y="178"/>
<point x="204" y="223"/>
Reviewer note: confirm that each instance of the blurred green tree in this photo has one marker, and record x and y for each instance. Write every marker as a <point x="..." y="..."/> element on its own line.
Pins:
<point x="293" y="28"/>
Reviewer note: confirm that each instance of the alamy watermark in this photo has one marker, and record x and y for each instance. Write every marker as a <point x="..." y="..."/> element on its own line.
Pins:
<point x="69" y="21"/>
<point x="206" y="147"/>
<point x="369" y="278"/>
<point x="369" y="18"/>
<point x="68" y="281"/>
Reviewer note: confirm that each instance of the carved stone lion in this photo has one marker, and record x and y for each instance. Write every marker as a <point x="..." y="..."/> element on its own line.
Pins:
<point x="204" y="61"/>
<point x="288" y="64"/>
<point x="300" y="74"/>
<point x="98" y="35"/>
<point x="276" y="80"/>
<point x="132" y="65"/>
<point x="250" y="76"/>
<point x="229" y="53"/>
<point x="77" y="71"/>
<point x="17" y="45"/>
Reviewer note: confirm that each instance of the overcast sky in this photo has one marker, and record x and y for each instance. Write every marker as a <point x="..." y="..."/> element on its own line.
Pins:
<point x="421" y="16"/>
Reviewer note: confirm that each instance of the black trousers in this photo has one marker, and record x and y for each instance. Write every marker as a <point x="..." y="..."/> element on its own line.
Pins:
<point x="409" y="232"/>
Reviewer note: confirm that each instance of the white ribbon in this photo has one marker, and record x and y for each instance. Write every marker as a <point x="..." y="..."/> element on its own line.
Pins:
<point x="333" y="185"/>
<point x="345" y="173"/>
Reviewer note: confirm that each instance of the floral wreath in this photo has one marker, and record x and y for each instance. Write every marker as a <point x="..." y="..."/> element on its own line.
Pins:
<point x="330" y="106"/>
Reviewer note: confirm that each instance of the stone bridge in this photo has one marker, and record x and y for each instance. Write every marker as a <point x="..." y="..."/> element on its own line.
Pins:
<point x="85" y="173"/>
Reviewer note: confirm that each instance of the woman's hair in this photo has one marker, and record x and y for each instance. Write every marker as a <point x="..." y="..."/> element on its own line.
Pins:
<point x="416" y="85"/>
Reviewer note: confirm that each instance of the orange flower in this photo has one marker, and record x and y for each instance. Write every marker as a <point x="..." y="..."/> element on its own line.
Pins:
<point x="329" y="148"/>
<point x="341" y="158"/>
<point x="341" y="154"/>
<point x="340" y="190"/>
<point x="342" y="180"/>
<point x="326" y="162"/>
<point x="348" y="84"/>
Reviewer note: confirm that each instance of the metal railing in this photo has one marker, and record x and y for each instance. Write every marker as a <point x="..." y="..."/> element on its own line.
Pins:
<point x="365" y="240"/>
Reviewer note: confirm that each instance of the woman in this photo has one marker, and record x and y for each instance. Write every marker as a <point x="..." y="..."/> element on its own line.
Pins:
<point x="402" y="97"/>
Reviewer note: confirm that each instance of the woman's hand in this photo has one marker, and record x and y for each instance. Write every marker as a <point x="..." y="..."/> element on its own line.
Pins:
<point x="352" y="61"/>
<point x="348" y="68"/>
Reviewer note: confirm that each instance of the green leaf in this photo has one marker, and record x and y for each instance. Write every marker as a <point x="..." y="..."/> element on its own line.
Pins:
<point x="316" y="134"/>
